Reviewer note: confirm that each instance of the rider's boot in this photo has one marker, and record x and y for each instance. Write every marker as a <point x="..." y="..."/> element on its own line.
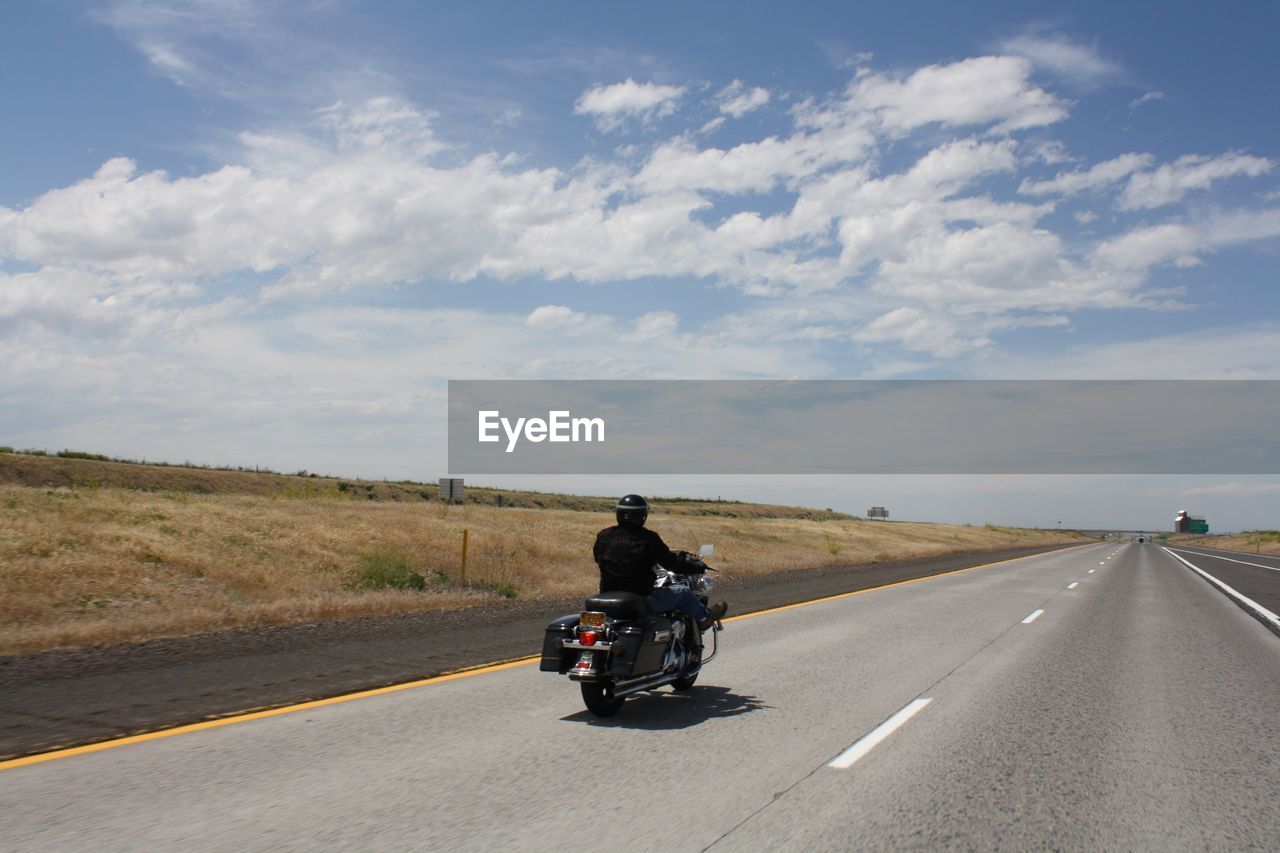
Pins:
<point x="715" y="613"/>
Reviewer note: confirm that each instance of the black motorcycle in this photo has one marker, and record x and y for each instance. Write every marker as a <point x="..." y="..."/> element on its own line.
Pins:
<point x="617" y="646"/>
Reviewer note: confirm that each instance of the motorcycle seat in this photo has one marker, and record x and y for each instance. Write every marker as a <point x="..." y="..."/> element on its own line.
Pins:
<point x="620" y="605"/>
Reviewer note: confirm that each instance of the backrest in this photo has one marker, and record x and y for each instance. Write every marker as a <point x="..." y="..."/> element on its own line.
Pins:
<point x="620" y="605"/>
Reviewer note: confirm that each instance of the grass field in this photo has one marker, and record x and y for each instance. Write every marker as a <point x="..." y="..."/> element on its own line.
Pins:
<point x="1253" y="541"/>
<point x="84" y="563"/>
<point x="45" y="471"/>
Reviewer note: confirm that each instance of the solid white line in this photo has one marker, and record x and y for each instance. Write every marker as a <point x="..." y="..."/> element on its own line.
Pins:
<point x="1033" y="617"/>
<point x="1257" y="609"/>
<point x="872" y="739"/>
<point x="1228" y="559"/>
<point x="1073" y="585"/>
<point x="1228" y="551"/>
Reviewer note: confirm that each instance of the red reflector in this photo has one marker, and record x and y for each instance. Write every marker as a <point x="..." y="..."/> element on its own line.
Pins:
<point x="587" y="638"/>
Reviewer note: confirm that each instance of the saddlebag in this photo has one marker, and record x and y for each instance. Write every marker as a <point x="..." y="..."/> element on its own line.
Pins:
<point x="555" y="657"/>
<point x="639" y="646"/>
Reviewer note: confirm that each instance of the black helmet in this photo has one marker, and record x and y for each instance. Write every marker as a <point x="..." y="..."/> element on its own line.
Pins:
<point x="632" y="509"/>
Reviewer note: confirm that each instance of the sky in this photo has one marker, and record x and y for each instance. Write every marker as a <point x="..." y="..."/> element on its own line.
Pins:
<point x="267" y="233"/>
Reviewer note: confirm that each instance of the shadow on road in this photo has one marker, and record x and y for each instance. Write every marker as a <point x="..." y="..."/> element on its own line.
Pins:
<point x="666" y="710"/>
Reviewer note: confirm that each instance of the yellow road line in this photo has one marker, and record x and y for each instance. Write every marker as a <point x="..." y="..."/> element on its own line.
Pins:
<point x="255" y="715"/>
<point x="39" y="758"/>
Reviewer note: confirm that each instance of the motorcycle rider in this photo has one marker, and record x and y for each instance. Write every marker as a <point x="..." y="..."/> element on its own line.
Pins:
<point x="626" y="554"/>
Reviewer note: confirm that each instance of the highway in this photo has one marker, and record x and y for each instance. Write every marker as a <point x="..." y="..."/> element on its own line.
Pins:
<point x="1101" y="697"/>
<point x="1255" y="577"/>
<point x="71" y="697"/>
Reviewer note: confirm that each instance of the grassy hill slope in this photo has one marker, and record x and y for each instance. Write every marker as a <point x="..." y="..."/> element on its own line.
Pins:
<point x="102" y="552"/>
<point x="1252" y="541"/>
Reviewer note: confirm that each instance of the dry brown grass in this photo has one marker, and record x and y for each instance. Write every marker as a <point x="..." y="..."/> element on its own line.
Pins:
<point x="81" y="566"/>
<point x="23" y="469"/>
<point x="1252" y="541"/>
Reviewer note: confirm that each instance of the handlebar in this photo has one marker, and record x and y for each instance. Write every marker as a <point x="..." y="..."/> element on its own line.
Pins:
<point x="698" y="566"/>
<point x="695" y="560"/>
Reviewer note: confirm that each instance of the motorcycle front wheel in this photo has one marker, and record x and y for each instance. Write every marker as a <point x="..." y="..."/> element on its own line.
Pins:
<point x="684" y="683"/>
<point x="599" y="699"/>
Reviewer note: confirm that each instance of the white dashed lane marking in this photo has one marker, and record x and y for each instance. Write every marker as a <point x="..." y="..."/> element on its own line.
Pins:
<point x="872" y="739"/>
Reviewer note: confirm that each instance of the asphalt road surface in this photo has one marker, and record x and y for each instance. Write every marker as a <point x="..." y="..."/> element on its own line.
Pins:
<point x="76" y="696"/>
<point x="1254" y="576"/>
<point x="1103" y="697"/>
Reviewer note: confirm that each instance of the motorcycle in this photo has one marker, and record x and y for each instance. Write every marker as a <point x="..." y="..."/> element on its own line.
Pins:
<point x="617" y="647"/>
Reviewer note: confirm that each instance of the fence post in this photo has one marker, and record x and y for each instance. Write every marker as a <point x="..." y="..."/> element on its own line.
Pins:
<point x="464" y="557"/>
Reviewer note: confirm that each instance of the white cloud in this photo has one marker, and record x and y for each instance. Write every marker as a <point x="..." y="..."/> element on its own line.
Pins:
<point x="610" y="106"/>
<point x="1172" y="181"/>
<point x="1242" y="226"/>
<point x="942" y="335"/>
<point x="713" y="125"/>
<point x="1248" y="352"/>
<point x="362" y="204"/>
<point x="1143" y="248"/>
<point x="915" y="329"/>
<point x="984" y="90"/>
<point x="1183" y="243"/>
<point x="1146" y="98"/>
<point x="1064" y="58"/>
<point x="935" y="256"/>
<point x="996" y="264"/>
<point x="749" y="167"/>
<point x="736" y="100"/>
<point x="1096" y="177"/>
<point x="348" y="389"/>
<point x="167" y="59"/>
<point x="559" y="317"/>
<point x="874" y="229"/>
<point x="1052" y="152"/>
<point x="279" y="60"/>
<point x="656" y="325"/>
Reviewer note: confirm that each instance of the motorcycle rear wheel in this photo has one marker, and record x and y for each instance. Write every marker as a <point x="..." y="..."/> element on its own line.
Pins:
<point x="599" y="700"/>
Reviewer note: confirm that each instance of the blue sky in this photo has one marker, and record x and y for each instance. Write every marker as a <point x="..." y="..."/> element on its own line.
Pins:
<point x="268" y="232"/>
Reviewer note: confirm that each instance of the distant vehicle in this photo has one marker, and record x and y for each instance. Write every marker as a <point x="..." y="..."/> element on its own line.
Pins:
<point x="1141" y="539"/>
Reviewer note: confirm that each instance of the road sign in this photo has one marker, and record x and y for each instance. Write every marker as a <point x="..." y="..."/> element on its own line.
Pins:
<point x="1198" y="527"/>
<point x="451" y="489"/>
<point x="877" y="512"/>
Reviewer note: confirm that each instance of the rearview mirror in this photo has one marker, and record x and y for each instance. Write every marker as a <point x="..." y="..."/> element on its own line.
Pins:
<point x="706" y="550"/>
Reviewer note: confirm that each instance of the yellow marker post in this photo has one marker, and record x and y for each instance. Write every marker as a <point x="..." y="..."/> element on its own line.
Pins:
<point x="464" y="557"/>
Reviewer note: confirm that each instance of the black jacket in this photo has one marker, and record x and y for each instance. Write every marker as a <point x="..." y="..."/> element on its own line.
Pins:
<point x="626" y="555"/>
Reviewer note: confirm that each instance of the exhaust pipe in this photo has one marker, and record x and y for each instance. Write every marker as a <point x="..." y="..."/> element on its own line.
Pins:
<point x="619" y="690"/>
